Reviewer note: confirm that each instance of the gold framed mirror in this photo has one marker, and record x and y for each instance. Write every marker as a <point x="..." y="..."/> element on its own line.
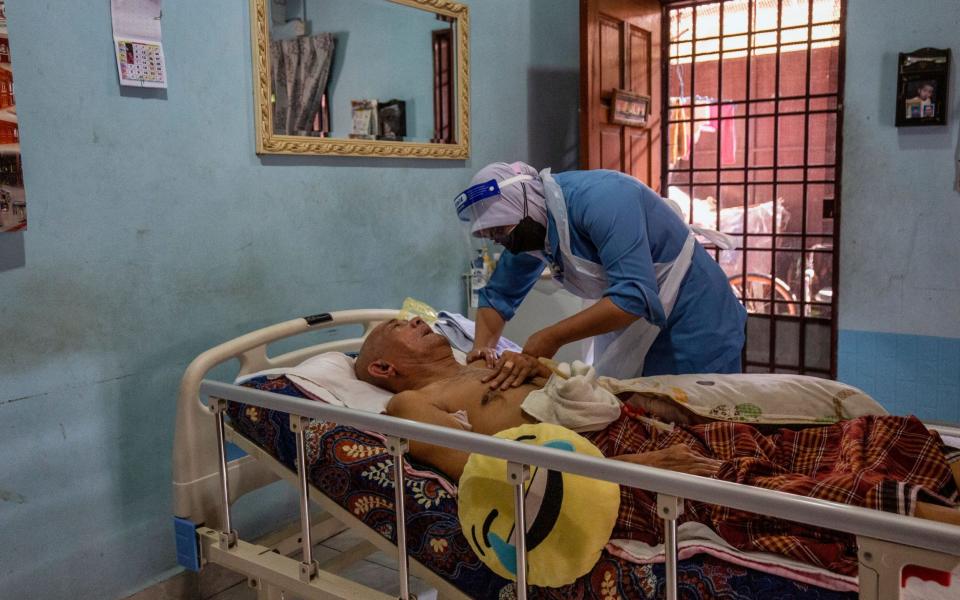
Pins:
<point x="381" y="78"/>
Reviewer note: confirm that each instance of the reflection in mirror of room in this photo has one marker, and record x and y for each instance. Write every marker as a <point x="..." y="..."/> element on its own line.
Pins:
<point x="355" y="55"/>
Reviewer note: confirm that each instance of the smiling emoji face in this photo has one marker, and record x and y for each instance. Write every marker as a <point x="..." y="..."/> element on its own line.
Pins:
<point x="569" y="518"/>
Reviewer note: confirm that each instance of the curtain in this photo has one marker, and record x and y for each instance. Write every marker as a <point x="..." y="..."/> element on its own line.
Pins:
<point x="300" y="69"/>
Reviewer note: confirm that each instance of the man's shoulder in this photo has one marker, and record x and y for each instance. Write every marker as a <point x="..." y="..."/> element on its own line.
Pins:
<point x="428" y="393"/>
<point x="401" y="402"/>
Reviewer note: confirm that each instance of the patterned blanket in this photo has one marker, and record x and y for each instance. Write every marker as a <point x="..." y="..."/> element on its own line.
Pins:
<point x="885" y="463"/>
<point x="354" y="470"/>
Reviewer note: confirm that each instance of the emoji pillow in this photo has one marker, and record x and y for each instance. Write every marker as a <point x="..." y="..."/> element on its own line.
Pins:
<point x="569" y="517"/>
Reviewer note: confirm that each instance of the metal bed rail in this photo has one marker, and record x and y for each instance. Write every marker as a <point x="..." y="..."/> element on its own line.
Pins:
<point x="886" y="541"/>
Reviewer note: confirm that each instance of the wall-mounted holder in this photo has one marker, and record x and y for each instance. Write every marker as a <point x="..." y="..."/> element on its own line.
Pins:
<point x="628" y="108"/>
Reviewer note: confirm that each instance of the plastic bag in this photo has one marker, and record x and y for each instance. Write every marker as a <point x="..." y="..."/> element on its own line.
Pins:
<point x="415" y="308"/>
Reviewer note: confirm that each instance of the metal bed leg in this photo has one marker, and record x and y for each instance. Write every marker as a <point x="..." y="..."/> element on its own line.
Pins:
<point x="265" y="591"/>
<point x="398" y="447"/>
<point x="228" y="537"/>
<point x="669" y="508"/>
<point x="519" y="474"/>
<point x="308" y="566"/>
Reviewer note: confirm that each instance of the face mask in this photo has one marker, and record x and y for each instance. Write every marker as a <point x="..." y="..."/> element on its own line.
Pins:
<point x="527" y="236"/>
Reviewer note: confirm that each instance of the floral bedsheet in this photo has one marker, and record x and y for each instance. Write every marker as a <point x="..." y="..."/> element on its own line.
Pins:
<point x="354" y="470"/>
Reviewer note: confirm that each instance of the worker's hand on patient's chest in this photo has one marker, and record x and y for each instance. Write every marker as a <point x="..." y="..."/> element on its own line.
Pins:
<point x="542" y="343"/>
<point x="513" y="369"/>
<point x="487" y="355"/>
<point x="676" y="458"/>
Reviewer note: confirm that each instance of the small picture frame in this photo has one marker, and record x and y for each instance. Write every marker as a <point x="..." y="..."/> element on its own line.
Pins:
<point x="628" y="108"/>
<point x="923" y="80"/>
<point x="393" y="120"/>
<point x="365" y="119"/>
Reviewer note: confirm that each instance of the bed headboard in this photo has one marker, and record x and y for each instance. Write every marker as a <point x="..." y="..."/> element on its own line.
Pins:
<point x="195" y="466"/>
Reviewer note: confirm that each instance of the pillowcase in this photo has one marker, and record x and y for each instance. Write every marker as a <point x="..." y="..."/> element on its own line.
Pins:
<point x="330" y="377"/>
<point x="776" y="399"/>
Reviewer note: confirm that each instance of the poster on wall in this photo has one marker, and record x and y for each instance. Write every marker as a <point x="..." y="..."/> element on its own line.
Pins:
<point x="13" y="206"/>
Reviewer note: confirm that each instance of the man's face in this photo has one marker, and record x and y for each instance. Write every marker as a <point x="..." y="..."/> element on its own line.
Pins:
<point x="398" y="339"/>
<point x="925" y="92"/>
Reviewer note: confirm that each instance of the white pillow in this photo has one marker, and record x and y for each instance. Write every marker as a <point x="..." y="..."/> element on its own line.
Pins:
<point x="330" y="377"/>
<point x="749" y="397"/>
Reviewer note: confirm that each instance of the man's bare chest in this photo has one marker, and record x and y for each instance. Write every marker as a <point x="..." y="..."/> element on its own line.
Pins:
<point x="489" y="410"/>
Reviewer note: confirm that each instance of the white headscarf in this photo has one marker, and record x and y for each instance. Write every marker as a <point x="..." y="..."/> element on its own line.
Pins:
<point x="507" y="209"/>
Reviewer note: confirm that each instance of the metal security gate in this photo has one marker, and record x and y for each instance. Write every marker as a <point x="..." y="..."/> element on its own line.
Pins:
<point x="753" y="96"/>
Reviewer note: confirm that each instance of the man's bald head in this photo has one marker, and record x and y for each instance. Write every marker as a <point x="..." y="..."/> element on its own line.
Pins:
<point x="397" y="355"/>
<point x="371" y="351"/>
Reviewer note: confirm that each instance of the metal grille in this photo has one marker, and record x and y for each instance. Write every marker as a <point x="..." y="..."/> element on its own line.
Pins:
<point x="753" y="94"/>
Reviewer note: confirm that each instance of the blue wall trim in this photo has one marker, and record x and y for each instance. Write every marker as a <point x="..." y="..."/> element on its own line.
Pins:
<point x="908" y="374"/>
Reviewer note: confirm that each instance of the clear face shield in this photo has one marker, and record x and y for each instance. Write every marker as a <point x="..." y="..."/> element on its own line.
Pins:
<point x="482" y="225"/>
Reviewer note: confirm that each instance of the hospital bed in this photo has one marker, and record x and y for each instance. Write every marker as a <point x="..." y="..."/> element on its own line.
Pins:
<point x="280" y="432"/>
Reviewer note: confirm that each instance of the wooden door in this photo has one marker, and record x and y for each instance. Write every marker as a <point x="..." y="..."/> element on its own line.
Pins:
<point x="620" y="49"/>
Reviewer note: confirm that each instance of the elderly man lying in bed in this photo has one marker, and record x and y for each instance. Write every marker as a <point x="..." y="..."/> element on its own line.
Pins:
<point x="884" y="462"/>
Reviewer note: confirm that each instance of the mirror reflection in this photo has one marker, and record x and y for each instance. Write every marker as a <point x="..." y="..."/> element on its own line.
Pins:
<point x="362" y="69"/>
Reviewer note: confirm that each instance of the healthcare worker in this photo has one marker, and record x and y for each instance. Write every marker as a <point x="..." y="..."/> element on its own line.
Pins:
<point x="660" y="303"/>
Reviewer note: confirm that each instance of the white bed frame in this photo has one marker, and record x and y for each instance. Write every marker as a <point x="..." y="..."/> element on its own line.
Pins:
<point x="205" y="484"/>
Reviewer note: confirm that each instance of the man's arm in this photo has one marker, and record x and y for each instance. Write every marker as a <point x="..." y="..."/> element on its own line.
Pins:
<point x="416" y="406"/>
<point x="678" y="458"/>
<point x="933" y="512"/>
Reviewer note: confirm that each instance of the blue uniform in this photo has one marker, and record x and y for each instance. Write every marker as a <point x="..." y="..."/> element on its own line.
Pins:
<point x="623" y="225"/>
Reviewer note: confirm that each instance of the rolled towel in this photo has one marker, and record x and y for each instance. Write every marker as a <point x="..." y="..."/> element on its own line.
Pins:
<point x="573" y="399"/>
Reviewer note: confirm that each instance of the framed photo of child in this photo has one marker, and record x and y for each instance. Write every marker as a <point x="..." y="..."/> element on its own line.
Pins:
<point x="923" y="82"/>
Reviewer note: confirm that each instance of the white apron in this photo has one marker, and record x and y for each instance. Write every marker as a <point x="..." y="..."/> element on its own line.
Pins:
<point x="619" y="354"/>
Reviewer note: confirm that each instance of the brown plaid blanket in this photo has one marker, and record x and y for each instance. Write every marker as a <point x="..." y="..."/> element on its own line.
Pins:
<point x="885" y="463"/>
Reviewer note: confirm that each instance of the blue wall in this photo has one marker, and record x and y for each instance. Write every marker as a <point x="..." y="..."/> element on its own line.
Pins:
<point x="899" y="258"/>
<point x="910" y="374"/>
<point x="155" y="232"/>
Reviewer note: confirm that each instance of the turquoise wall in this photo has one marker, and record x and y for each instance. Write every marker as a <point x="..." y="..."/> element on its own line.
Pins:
<point x="899" y="256"/>
<point x="156" y="232"/>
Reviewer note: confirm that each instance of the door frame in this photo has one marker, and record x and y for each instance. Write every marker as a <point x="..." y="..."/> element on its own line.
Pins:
<point x="588" y="37"/>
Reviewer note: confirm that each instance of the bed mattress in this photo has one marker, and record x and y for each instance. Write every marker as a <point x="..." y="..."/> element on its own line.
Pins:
<point x="353" y="469"/>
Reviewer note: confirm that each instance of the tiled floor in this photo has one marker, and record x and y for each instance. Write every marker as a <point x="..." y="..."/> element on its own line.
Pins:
<point x="378" y="571"/>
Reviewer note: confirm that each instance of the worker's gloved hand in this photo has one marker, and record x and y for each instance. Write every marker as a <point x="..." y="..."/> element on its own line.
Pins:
<point x="488" y="355"/>
<point x="513" y="369"/>
<point x="582" y="369"/>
